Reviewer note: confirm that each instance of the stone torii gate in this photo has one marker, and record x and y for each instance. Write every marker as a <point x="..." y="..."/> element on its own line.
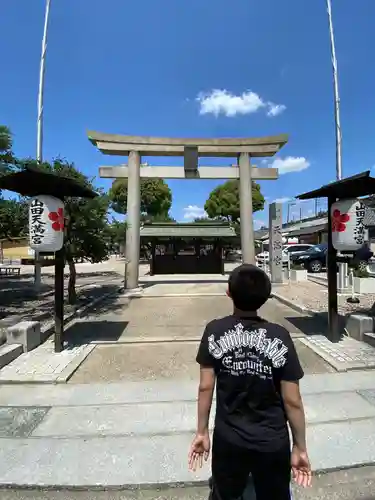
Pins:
<point x="191" y="149"/>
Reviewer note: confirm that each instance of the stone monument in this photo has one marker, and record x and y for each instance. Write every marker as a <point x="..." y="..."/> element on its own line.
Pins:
<point x="276" y="242"/>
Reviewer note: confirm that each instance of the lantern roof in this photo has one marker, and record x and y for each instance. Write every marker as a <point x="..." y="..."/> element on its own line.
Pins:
<point x="33" y="181"/>
<point x="350" y="187"/>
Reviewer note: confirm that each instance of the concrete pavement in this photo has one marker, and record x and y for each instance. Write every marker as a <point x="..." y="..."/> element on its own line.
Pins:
<point x="157" y="337"/>
<point x="131" y="434"/>
<point x="148" y="338"/>
<point x="351" y="484"/>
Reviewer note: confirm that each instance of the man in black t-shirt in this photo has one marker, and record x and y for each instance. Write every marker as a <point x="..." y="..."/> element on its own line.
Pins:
<point x="256" y="369"/>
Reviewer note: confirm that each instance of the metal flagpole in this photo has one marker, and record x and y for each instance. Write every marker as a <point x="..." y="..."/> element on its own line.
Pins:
<point x="39" y="144"/>
<point x="39" y="140"/>
<point x="333" y="288"/>
<point x="336" y="94"/>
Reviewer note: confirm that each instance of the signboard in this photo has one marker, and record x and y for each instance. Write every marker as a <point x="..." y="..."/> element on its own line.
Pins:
<point x="348" y="229"/>
<point x="46" y="223"/>
<point x="276" y="243"/>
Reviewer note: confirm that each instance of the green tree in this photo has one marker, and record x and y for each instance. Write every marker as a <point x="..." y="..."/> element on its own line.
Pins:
<point x="224" y="201"/>
<point x="13" y="218"/>
<point x="7" y="159"/>
<point x="87" y="229"/>
<point x="117" y="234"/>
<point x="14" y="212"/>
<point x="157" y="218"/>
<point x="156" y="196"/>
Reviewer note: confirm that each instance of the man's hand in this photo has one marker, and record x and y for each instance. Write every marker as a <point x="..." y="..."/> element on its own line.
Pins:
<point x="199" y="450"/>
<point x="301" y="468"/>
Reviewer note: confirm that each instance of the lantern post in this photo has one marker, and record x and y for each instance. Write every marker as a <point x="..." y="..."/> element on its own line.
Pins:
<point x="59" y="299"/>
<point x="46" y="221"/>
<point x="333" y="318"/>
<point x="46" y="233"/>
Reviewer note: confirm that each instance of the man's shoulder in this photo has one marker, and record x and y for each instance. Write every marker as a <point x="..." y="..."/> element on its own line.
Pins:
<point x="275" y="329"/>
<point x="219" y="323"/>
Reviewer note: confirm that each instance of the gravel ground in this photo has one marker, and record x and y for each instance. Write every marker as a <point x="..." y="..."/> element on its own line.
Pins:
<point x="315" y="296"/>
<point x="42" y="309"/>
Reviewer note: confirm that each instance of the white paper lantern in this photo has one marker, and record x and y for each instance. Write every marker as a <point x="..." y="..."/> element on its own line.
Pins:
<point x="46" y="223"/>
<point x="348" y="230"/>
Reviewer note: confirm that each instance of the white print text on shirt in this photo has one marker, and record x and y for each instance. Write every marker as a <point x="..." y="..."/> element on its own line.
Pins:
<point x="238" y="337"/>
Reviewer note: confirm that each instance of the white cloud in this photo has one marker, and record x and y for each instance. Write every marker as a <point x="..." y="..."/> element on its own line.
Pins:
<point x="192" y="212"/>
<point x="221" y="101"/>
<point x="290" y="164"/>
<point x="275" y="109"/>
<point x="282" y="200"/>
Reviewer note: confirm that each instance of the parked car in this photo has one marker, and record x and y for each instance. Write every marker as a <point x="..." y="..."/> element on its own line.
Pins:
<point x="361" y="257"/>
<point x="295" y="249"/>
<point x="288" y="250"/>
<point x="315" y="259"/>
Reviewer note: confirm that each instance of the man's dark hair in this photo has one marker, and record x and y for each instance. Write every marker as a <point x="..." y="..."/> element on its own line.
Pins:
<point x="249" y="287"/>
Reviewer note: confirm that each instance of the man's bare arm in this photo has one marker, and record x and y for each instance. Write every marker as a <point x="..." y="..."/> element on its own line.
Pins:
<point x="294" y="410"/>
<point x="205" y="395"/>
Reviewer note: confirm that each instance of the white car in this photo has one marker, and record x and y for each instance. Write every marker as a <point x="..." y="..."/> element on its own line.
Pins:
<point x="288" y="250"/>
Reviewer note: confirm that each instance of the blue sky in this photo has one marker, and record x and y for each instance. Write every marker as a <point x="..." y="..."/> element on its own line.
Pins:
<point x="140" y="67"/>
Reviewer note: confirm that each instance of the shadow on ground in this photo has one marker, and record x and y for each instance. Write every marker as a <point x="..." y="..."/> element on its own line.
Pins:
<point x="114" y="303"/>
<point x="11" y="301"/>
<point x="94" y="331"/>
<point x="95" y="274"/>
<point x="314" y="325"/>
<point x="42" y="309"/>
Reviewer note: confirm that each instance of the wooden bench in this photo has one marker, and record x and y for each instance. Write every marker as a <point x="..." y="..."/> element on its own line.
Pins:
<point x="10" y="271"/>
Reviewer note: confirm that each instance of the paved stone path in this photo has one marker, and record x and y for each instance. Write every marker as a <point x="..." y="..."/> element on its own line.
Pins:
<point x="139" y="433"/>
<point x="157" y="337"/>
<point x="348" y="354"/>
<point x="174" y="318"/>
<point x="351" y="484"/>
<point x="144" y="339"/>
<point x="44" y="365"/>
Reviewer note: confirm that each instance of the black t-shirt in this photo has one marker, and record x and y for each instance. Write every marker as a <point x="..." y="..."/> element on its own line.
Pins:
<point x="250" y="357"/>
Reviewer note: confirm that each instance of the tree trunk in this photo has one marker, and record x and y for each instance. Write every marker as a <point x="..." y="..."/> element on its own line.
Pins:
<point x="72" y="295"/>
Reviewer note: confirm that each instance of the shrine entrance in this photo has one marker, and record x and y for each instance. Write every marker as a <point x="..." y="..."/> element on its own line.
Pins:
<point x="242" y="149"/>
<point x="186" y="248"/>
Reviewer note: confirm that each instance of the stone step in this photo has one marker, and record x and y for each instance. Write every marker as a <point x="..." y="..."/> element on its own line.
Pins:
<point x="358" y="324"/>
<point x="369" y="338"/>
<point x="130" y="461"/>
<point x="154" y="391"/>
<point x="353" y="484"/>
<point x="9" y="352"/>
<point x="165" y="418"/>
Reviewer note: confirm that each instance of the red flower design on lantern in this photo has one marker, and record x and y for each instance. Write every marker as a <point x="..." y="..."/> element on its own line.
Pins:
<point x="338" y="221"/>
<point x="57" y="219"/>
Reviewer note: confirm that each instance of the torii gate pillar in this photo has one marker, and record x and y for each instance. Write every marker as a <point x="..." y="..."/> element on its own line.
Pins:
<point x="134" y="217"/>
<point x="246" y="210"/>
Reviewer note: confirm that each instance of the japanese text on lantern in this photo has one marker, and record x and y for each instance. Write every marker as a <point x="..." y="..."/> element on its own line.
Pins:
<point x="37" y="225"/>
<point x="359" y="228"/>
